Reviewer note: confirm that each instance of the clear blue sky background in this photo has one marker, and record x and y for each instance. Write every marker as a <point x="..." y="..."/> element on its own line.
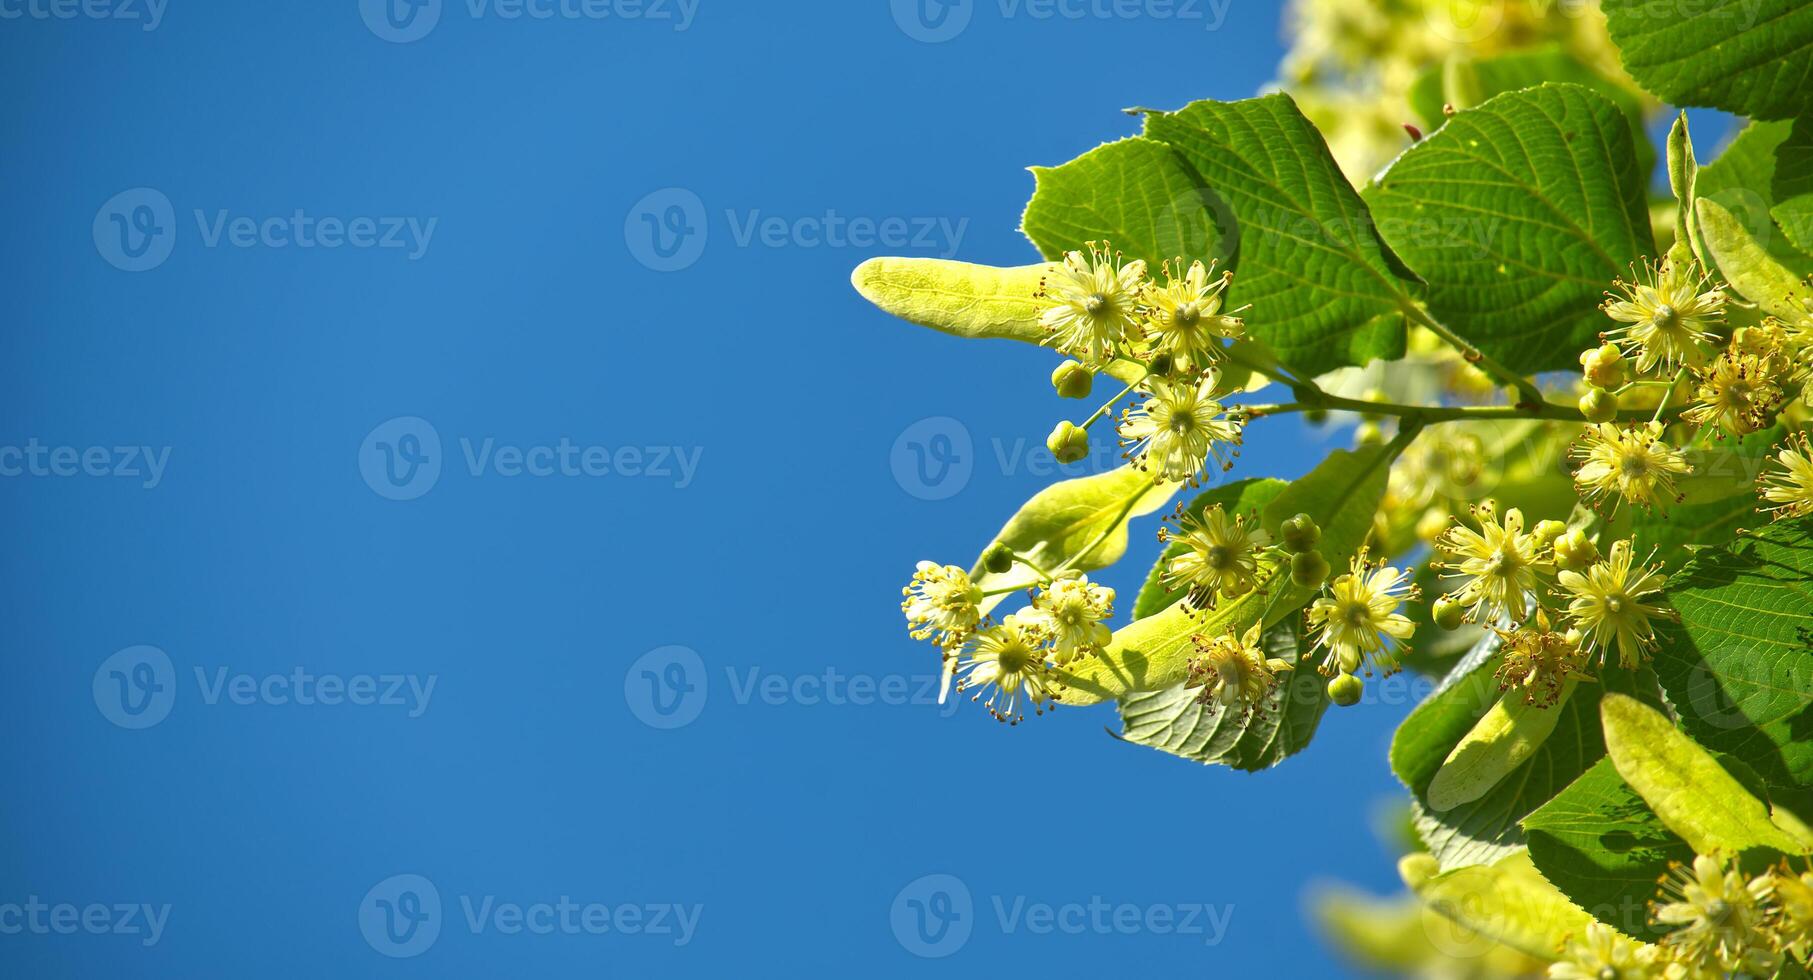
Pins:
<point x="531" y="317"/>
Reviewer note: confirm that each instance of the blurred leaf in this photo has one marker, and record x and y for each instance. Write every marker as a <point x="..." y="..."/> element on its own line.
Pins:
<point x="1747" y="266"/>
<point x="1742" y="178"/>
<point x="1793" y="185"/>
<point x="1507" y="900"/>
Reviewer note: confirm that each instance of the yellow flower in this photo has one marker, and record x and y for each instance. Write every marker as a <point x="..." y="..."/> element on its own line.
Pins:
<point x="1184" y="317"/>
<point x="1071" y="612"/>
<point x="1358" y="617"/>
<point x="1006" y="662"/>
<point x="1177" y="428"/>
<point x="1666" y="314"/>
<point x="1608" y="604"/>
<point x="1540" y="661"/>
<point x="1633" y="463"/>
<point x="1499" y="561"/>
<point x="1233" y="672"/>
<point x="1790" y="489"/>
<point x="1606" y="954"/>
<point x="1719" y="916"/>
<point x="1738" y="393"/>
<point x="941" y="604"/>
<point x="1791" y="896"/>
<point x="1093" y="302"/>
<point x="1220" y="558"/>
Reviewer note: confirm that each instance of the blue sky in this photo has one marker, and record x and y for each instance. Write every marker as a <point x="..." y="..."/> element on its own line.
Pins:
<point x="440" y="480"/>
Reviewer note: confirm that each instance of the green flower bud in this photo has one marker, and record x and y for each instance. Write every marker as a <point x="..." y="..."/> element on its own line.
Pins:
<point x="998" y="559"/>
<point x="1547" y="531"/>
<point x="1368" y="434"/>
<point x="1574" y="550"/>
<point x="1345" y="690"/>
<point x="1072" y="380"/>
<point x="1448" y="614"/>
<point x="1372" y="395"/>
<point x="1300" y="533"/>
<point x="1068" y="442"/>
<point x="1604" y="366"/>
<point x="1599" y="405"/>
<point x="1309" y="569"/>
<point x="1316" y="416"/>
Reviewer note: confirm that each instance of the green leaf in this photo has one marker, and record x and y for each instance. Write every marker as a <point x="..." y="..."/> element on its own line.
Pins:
<point x="1326" y="290"/>
<point x="1507" y="900"/>
<point x="1240" y="497"/>
<point x="1173" y="721"/>
<point x="1510" y="732"/>
<point x="1686" y="787"/>
<point x="1749" y="57"/>
<point x="1486" y="828"/>
<point x="1079" y="523"/>
<point x="1136" y="193"/>
<point x="1747" y="266"/>
<point x="1793" y="185"/>
<point x="964" y="299"/>
<point x="1604" y="848"/>
<point x="1688" y="526"/>
<point x="1341" y="495"/>
<point x="1519" y="214"/>
<point x="1525" y="69"/>
<point x="1739" y="666"/>
<point x="1742" y="179"/>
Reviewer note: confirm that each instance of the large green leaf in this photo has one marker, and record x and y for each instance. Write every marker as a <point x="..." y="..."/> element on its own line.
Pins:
<point x="1341" y="495"/>
<point x="1520" y="213"/>
<point x="1526" y="68"/>
<point x="1079" y="523"/>
<point x="1685" y="786"/>
<point x="1604" y="848"/>
<point x="1326" y="290"/>
<point x="1750" y="57"/>
<point x="1173" y="721"/>
<point x="1675" y="533"/>
<point x="1243" y="497"/>
<point x="1135" y="193"/>
<point x="1738" y="668"/>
